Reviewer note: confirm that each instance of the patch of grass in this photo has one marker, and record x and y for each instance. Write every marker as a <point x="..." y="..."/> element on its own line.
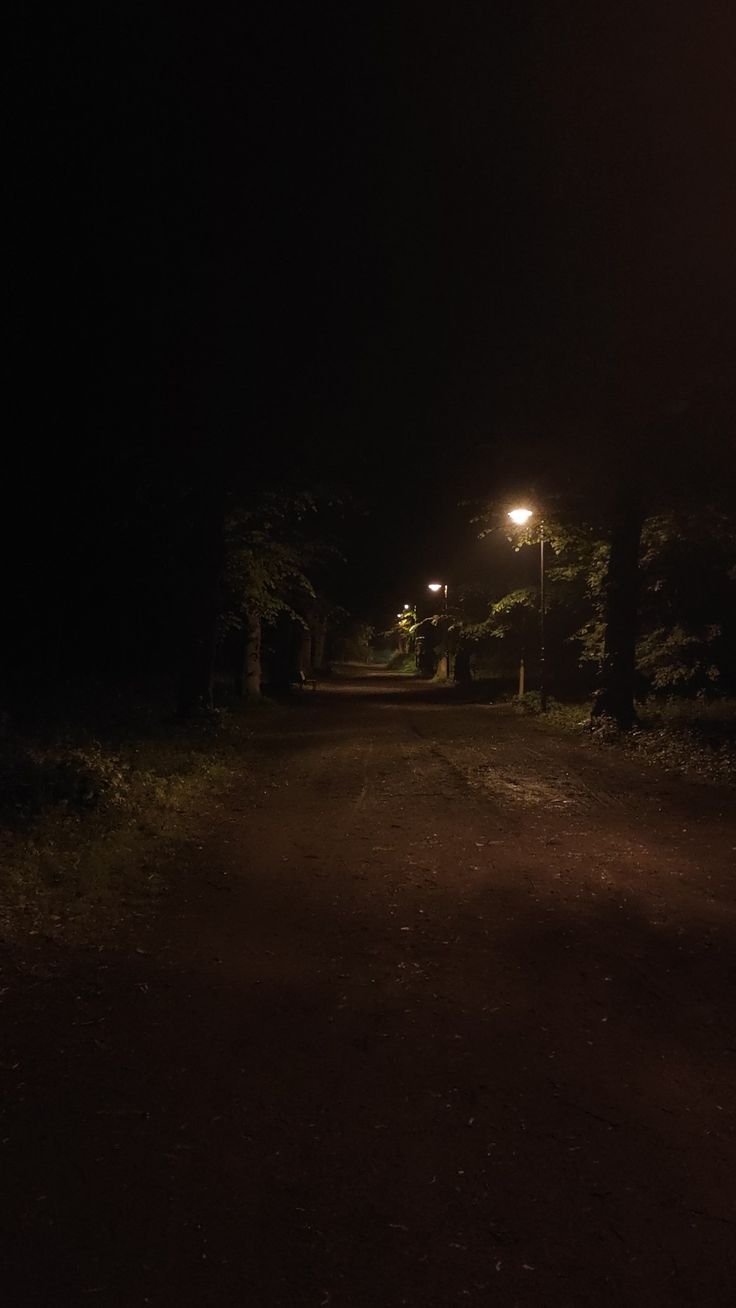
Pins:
<point x="569" y="717"/>
<point x="405" y="664"/>
<point x="694" y="737"/>
<point x="572" y="717"/>
<point x="88" y="823"/>
<point x="706" y="716"/>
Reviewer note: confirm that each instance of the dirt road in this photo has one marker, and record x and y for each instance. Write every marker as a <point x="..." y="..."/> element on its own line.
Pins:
<point x="441" y="1013"/>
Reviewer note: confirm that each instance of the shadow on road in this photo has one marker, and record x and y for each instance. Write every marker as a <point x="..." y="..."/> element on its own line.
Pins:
<point x="387" y="1136"/>
<point x="382" y="687"/>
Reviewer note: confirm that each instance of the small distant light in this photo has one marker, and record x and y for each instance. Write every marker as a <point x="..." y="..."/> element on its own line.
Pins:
<point x="435" y="585"/>
<point x="406" y="607"/>
<point x="520" y="516"/>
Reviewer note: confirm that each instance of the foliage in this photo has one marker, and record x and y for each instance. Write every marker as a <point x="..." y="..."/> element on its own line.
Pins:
<point x="507" y="615"/>
<point x="687" y="576"/>
<point x="694" y="737"/>
<point x="353" y="643"/>
<point x="74" y="778"/>
<point x="678" y="659"/>
<point x="403" y="629"/>
<point x="406" y="622"/>
<point x="686" y="563"/>
<point x="266" y="550"/>
<point x="402" y="663"/>
<point x="576" y="585"/>
<point x="85" y="821"/>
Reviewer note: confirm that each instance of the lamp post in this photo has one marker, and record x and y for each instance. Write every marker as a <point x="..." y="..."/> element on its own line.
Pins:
<point x="521" y="517"/>
<point x="437" y="586"/>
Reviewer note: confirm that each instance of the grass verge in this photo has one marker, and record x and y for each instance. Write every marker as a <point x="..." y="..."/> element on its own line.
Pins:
<point x="89" y="822"/>
<point x="696" y="738"/>
<point x="405" y="664"/>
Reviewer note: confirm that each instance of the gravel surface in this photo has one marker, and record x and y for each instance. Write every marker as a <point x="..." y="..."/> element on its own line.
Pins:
<point x="441" y="1012"/>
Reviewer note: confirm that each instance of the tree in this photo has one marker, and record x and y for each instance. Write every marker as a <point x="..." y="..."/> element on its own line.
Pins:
<point x="266" y="547"/>
<point x="614" y="697"/>
<point x="688" y="634"/>
<point x="647" y="602"/>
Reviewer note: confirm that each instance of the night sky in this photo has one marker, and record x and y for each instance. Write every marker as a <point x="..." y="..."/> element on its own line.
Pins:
<point x="403" y="247"/>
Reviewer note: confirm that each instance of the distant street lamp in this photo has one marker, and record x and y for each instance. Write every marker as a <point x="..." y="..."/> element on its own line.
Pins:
<point x="411" y="615"/>
<point x="437" y="586"/>
<point x="521" y="517"/>
<point x="406" y="617"/>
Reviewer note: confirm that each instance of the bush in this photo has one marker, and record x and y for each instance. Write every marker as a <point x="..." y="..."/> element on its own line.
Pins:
<point x="79" y="779"/>
<point x="404" y="663"/>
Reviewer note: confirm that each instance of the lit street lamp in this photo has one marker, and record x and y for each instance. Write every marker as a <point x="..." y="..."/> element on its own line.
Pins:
<point x="410" y="615"/>
<point x="437" y="586"/>
<point x="521" y="517"/>
<point x="406" y="618"/>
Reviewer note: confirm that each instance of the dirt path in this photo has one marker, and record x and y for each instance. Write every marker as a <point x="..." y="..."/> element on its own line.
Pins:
<point x="443" y="1013"/>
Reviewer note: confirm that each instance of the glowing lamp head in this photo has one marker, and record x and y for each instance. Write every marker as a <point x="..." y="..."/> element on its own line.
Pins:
<point x="406" y="608"/>
<point x="435" y="585"/>
<point x="520" y="516"/>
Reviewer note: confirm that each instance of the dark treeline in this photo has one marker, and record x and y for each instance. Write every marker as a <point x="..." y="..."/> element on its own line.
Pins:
<point x="393" y="259"/>
<point x="592" y="330"/>
<point x="179" y="328"/>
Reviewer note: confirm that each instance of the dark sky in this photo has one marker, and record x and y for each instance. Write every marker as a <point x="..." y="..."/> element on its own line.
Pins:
<point x="550" y="239"/>
<point x="398" y="244"/>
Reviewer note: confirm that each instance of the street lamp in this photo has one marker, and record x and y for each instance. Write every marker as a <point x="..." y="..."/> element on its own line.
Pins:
<point x="437" y="586"/>
<point x="521" y="517"/>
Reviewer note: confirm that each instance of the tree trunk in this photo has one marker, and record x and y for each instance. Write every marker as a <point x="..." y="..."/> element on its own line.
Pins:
<point x="614" y="697"/>
<point x="252" y="660"/>
<point x="463" y="672"/>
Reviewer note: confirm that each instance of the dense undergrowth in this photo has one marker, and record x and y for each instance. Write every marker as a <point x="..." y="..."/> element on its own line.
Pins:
<point x="696" y="737"/>
<point x="89" y="817"/>
<point x="405" y="664"/>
